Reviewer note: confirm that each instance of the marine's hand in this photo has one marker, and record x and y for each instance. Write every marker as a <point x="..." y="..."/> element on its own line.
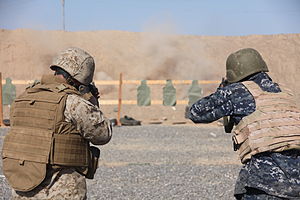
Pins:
<point x="90" y="93"/>
<point x="94" y="90"/>
<point x="90" y="97"/>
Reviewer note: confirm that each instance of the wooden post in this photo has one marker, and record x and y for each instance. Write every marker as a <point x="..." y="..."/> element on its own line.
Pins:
<point x="1" y="106"/>
<point x="120" y="100"/>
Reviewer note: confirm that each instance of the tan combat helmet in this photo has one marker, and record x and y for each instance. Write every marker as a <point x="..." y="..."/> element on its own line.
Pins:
<point x="243" y="63"/>
<point x="77" y="62"/>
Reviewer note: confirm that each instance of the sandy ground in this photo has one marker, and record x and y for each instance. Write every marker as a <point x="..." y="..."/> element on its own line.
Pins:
<point x="26" y="54"/>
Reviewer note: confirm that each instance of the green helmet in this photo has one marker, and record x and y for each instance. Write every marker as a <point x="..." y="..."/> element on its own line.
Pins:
<point x="77" y="62"/>
<point x="243" y="63"/>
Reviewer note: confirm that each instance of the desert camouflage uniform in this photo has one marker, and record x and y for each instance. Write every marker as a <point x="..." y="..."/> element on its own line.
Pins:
<point x="63" y="183"/>
<point x="67" y="183"/>
<point x="89" y="120"/>
<point x="267" y="175"/>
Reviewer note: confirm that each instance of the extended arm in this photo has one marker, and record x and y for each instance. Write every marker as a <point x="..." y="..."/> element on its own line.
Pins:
<point x="89" y="120"/>
<point x="212" y="107"/>
<point x="233" y="100"/>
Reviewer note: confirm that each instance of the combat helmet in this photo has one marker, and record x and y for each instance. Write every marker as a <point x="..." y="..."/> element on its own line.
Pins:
<point x="77" y="62"/>
<point x="243" y="63"/>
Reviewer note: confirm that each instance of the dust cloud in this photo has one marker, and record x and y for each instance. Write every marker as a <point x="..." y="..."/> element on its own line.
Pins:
<point x="171" y="55"/>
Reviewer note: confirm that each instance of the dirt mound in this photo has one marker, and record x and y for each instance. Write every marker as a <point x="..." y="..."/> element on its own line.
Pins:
<point x="26" y="54"/>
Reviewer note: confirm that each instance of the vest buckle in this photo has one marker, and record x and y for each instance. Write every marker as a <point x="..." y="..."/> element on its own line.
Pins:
<point x="31" y="102"/>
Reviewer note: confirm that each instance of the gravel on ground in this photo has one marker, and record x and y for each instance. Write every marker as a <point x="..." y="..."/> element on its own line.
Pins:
<point x="161" y="162"/>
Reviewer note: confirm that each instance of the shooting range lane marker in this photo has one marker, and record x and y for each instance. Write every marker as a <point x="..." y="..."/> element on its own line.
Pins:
<point x="120" y="99"/>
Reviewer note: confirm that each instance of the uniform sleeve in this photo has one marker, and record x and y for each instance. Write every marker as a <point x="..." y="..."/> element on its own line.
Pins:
<point x="212" y="107"/>
<point x="233" y="100"/>
<point x="89" y="120"/>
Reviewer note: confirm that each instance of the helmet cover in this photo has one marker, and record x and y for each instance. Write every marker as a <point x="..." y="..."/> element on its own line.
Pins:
<point x="77" y="62"/>
<point x="243" y="63"/>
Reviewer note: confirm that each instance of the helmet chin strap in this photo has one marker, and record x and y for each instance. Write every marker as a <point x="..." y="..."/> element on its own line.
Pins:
<point x="83" y="89"/>
<point x="67" y="76"/>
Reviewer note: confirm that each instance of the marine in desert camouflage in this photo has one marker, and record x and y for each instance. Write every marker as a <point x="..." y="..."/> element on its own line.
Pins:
<point x="55" y="120"/>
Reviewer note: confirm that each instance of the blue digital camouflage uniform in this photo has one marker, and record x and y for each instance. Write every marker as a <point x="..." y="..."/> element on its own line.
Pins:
<point x="267" y="175"/>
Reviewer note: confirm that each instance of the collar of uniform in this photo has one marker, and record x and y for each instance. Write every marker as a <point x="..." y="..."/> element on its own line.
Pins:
<point x="50" y="79"/>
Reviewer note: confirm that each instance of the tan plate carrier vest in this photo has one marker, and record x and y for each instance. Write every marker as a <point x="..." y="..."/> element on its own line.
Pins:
<point x="274" y="125"/>
<point x="39" y="135"/>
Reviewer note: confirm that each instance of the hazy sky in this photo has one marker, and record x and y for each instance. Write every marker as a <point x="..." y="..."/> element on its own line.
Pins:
<point x="197" y="17"/>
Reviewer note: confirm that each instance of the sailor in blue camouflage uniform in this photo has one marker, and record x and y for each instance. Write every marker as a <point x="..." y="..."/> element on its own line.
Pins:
<point x="265" y="175"/>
